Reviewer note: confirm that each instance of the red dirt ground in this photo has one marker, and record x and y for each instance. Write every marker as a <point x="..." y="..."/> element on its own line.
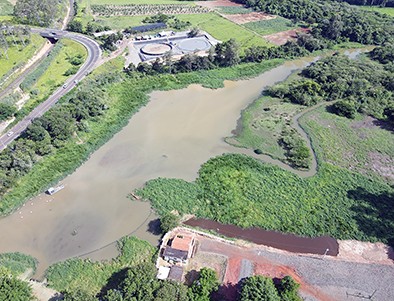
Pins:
<point x="251" y="17"/>
<point x="262" y="266"/>
<point x="216" y="3"/>
<point x="282" y="37"/>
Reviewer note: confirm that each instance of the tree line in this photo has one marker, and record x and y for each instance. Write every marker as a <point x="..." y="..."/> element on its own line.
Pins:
<point x="36" y="12"/>
<point x="49" y="132"/>
<point x="13" y="36"/>
<point x="358" y="85"/>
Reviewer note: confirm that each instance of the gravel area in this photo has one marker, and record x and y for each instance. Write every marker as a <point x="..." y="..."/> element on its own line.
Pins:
<point x="246" y="269"/>
<point x="340" y="280"/>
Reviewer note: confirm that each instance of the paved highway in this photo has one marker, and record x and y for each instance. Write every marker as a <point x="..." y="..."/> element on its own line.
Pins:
<point x="94" y="53"/>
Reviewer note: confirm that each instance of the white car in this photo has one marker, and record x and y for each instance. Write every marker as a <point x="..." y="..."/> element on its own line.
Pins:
<point x="10" y="133"/>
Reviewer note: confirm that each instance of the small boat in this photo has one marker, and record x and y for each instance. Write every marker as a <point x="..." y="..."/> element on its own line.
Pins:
<point x="53" y="190"/>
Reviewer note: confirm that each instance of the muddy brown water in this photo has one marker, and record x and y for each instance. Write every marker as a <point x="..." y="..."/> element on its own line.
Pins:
<point x="171" y="136"/>
<point x="288" y="242"/>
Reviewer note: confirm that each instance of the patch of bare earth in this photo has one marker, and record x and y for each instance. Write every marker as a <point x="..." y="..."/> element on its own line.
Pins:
<point x="365" y="252"/>
<point x="217" y="3"/>
<point x="382" y="164"/>
<point x="251" y="17"/>
<point x="280" y="38"/>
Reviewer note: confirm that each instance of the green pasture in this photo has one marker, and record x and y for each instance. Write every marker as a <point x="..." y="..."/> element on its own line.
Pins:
<point x="223" y="29"/>
<point x="266" y="27"/>
<point x="233" y="10"/>
<point x="262" y="126"/>
<point x="19" y="55"/>
<point x="362" y="145"/>
<point x="120" y="22"/>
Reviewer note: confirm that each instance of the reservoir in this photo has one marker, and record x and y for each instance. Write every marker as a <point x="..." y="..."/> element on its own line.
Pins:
<point x="171" y="137"/>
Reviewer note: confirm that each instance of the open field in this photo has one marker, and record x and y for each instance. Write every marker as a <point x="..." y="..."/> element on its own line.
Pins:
<point x="266" y="27"/>
<point x="6" y="8"/>
<point x="384" y="10"/>
<point x="18" y="56"/>
<point x="362" y="145"/>
<point x="262" y="124"/>
<point x="233" y="10"/>
<point x="223" y="29"/>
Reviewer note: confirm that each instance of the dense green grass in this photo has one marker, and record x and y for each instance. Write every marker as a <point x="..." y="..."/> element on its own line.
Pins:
<point x="18" y="263"/>
<point x="240" y="190"/>
<point x="120" y="22"/>
<point x="266" y="27"/>
<point x="124" y="99"/>
<point x="263" y="123"/>
<point x="83" y="274"/>
<point x="384" y="10"/>
<point x="223" y="29"/>
<point x="233" y="10"/>
<point x="18" y="56"/>
<point x="6" y="8"/>
<point x="358" y="144"/>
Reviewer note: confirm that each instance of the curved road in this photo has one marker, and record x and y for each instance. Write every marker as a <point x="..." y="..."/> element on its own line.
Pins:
<point x="94" y="53"/>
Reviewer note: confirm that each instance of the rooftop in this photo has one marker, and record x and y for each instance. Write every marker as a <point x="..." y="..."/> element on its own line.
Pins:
<point x="182" y="242"/>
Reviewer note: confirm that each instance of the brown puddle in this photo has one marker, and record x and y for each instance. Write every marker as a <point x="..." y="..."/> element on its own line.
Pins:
<point x="288" y="242"/>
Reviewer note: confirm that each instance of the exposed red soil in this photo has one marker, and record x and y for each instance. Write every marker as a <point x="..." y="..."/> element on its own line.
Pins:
<point x="251" y="17"/>
<point x="280" y="38"/>
<point x="216" y="3"/>
<point x="262" y="266"/>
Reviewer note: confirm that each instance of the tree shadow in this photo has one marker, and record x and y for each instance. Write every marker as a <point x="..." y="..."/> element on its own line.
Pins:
<point x="191" y="276"/>
<point x="154" y="227"/>
<point x="385" y="125"/>
<point x="113" y="282"/>
<point x="56" y="297"/>
<point x="374" y="214"/>
<point x="226" y="292"/>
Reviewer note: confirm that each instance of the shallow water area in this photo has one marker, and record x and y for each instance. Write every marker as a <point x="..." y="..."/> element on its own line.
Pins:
<point x="171" y="136"/>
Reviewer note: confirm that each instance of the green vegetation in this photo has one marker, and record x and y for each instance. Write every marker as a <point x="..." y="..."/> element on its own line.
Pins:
<point x="331" y="20"/>
<point x="122" y="2"/>
<point x="6" y="8"/>
<point x="17" y="55"/>
<point x="84" y="275"/>
<point x="63" y="61"/>
<point x="236" y="189"/>
<point x="263" y="123"/>
<point x="146" y="9"/>
<point x="263" y="288"/>
<point x="266" y="27"/>
<point x="6" y="111"/>
<point x="12" y="288"/>
<point x="121" y="98"/>
<point x="359" y="144"/>
<point x="234" y="10"/>
<point x="383" y="10"/>
<point x="17" y="263"/>
<point x="203" y="287"/>
<point x="36" y="12"/>
<point x="168" y="222"/>
<point x="223" y="29"/>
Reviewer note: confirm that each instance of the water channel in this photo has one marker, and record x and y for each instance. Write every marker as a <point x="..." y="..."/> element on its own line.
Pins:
<point x="171" y="136"/>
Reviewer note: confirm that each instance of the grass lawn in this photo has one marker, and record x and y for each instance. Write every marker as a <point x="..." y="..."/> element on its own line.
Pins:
<point x="54" y="76"/>
<point x="262" y="124"/>
<point x="358" y="144"/>
<point x="266" y="27"/>
<point x="17" y="57"/>
<point x="6" y="8"/>
<point x="223" y="29"/>
<point x="384" y="10"/>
